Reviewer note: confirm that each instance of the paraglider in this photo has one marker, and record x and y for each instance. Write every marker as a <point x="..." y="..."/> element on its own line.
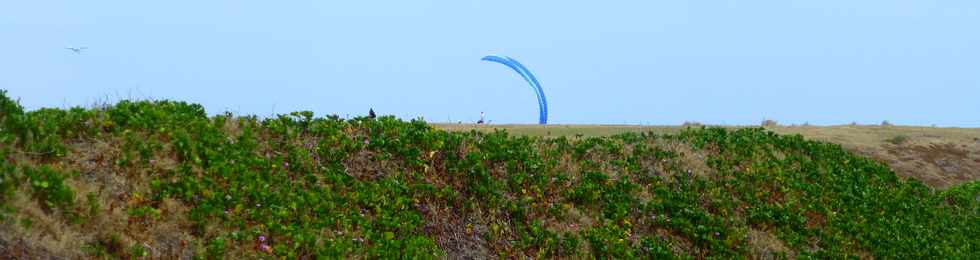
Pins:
<point x="526" y="74"/>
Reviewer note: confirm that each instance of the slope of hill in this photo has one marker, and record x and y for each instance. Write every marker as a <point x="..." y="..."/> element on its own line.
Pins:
<point x="939" y="157"/>
<point x="161" y="179"/>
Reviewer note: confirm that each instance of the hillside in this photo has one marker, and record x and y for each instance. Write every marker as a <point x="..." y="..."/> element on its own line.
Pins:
<point x="939" y="157"/>
<point x="161" y="179"/>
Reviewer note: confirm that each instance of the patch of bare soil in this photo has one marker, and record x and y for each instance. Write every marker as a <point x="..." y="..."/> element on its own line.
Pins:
<point x="943" y="164"/>
<point x="765" y="245"/>
<point x="461" y="235"/>
<point x="18" y="248"/>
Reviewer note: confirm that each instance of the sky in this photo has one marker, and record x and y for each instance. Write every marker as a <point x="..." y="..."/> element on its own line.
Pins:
<point x="826" y="62"/>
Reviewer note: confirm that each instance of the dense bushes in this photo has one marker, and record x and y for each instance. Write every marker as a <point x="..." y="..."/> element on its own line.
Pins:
<point x="297" y="185"/>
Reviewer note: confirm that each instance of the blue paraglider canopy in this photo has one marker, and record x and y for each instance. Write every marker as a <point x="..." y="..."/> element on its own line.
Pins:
<point x="526" y="74"/>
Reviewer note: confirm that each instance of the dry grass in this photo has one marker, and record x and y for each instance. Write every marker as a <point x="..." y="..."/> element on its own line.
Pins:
<point x="115" y="189"/>
<point x="38" y="232"/>
<point x="939" y="157"/>
<point x="560" y="130"/>
<point x="765" y="245"/>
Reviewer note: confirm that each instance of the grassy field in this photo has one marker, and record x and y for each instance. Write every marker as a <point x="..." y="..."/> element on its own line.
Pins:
<point x="940" y="157"/>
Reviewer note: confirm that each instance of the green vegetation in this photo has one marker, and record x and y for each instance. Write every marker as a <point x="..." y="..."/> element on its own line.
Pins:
<point x="300" y="186"/>
<point x="897" y="140"/>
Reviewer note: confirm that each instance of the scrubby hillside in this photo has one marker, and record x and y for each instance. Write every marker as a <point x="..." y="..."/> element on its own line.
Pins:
<point x="940" y="157"/>
<point x="162" y="179"/>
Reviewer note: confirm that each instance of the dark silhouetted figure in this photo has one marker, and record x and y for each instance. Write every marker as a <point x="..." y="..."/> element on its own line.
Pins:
<point x="371" y="114"/>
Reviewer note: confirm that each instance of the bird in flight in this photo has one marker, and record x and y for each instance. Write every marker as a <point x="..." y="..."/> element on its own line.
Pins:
<point x="76" y="49"/>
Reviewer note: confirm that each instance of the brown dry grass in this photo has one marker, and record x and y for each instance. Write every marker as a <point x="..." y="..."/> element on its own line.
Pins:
<point x="115" y="189"/>
<point x="939" y="157"/>
<point x="765" y="245"/>
<point x="560" y="130"/>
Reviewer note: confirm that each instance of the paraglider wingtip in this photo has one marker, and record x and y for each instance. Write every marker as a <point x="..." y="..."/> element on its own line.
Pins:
<point x="492" y="57"/>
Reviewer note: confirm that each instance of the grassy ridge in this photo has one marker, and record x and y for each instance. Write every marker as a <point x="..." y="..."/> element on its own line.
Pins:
<point x="300" y="186"/>
<point x="939" y="157"/>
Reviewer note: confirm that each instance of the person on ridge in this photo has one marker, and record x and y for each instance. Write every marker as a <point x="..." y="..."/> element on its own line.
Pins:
<point x="482" y="118"/>
<point x="371" y="114"/>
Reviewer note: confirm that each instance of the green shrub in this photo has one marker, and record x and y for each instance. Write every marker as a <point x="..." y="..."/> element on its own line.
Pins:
<point x="898" y="140"/>
<point x="384" y="188"/>
<point x="49" y="187"/>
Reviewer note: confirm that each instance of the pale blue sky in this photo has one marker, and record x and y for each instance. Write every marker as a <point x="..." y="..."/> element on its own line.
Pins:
<point x="650" y="62"/>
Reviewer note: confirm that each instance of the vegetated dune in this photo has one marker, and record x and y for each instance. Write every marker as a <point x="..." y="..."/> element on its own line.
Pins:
<point x="161" y="179"/>
<point x="939" y="157"/>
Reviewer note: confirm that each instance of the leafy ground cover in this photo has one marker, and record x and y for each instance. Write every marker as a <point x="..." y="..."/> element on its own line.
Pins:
<point x="940" y="157"/>
<point x="163" y="179"/>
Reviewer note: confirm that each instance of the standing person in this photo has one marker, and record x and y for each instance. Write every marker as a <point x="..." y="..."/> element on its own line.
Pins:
<point x="482" y="118"/>
<point x="371" y="114"/>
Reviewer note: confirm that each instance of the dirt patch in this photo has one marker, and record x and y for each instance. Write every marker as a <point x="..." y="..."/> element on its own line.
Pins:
<point x="815" y="220"/>
<point x="695" y="160"/>
<point x="18" y="248"/>
<point x="937" y="165"/>
<point x="936" y="152"/>
<point x="34" y="230"/>
<point x="578" y="222"/>
<point x="460" y="235"/>
<point x="765" y="245"/>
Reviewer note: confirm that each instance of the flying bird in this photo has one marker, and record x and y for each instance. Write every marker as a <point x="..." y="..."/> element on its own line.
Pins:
<point x="76" y="49"/>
